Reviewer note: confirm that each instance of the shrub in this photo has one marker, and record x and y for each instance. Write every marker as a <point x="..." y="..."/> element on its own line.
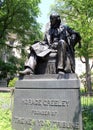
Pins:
<point x="12" y="82"/>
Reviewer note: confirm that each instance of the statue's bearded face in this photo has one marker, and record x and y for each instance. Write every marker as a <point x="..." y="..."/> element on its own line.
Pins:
<point x="53" y="21"/>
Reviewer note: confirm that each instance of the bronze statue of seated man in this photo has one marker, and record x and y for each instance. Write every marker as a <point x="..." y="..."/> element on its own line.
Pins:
<point x="58" y="38"/>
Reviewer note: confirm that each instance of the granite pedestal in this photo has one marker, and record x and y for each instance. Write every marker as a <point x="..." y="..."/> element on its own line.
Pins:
<point x="45" y="99"/>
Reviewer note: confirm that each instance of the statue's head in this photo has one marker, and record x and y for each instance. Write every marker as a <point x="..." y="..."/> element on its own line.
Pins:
<point x="55" y="20"/>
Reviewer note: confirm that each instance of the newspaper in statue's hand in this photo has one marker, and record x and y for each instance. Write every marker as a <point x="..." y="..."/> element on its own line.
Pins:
<point x="41" y="49"/>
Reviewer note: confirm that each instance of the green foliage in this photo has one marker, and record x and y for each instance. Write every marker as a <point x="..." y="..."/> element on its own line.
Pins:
<point x="20" y="17"/>
<point x="88" y="119"/>
<point x="12" y="82"/>
<point x="10" y="68"/>
<point x="5" y="112"/>
<point x="7" y="69"/>
<point x="87" y="113"/>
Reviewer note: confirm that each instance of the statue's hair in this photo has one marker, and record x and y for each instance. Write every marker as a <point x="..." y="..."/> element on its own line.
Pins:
<point x="54" y="15"/>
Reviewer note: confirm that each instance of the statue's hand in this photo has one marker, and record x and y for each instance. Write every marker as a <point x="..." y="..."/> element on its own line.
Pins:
<point x="54" y="45"/>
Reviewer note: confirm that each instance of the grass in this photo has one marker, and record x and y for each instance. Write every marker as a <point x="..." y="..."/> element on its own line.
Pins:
<point x="6" y="114"/>
<point x="88" y="118"/>
<point x="5" y="111"/>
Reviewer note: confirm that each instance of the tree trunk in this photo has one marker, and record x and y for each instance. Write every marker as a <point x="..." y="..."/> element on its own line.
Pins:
<point x="88" y="76"/>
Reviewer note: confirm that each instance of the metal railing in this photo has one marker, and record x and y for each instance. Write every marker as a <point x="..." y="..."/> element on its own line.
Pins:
<point x="86" y="100"/>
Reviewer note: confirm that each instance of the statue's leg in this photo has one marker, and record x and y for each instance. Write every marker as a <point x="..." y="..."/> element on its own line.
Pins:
<point x="30" y="65"/>
<point x="72" y="63"/>
<point x="62" y="48"/>
<point x="68" y="65"/>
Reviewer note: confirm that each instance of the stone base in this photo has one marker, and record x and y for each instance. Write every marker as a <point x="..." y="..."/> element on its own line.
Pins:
<point x="47" y="100"/>
<point x="49" y="76"/>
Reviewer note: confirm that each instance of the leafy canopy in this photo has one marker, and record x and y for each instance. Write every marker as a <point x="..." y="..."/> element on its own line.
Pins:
<point x="20" y="17"/>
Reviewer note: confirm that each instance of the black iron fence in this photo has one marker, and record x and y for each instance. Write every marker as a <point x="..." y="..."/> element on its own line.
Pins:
<point x="87" y="100"/>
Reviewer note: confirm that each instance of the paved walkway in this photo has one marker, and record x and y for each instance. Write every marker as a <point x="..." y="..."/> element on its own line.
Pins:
<point x="5" y="89"/>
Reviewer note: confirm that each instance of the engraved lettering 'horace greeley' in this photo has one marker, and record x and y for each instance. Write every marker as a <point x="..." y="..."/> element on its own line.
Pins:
<point x="46" y="102"/>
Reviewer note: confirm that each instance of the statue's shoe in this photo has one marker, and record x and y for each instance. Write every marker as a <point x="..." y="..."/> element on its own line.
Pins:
<point x="27" y="71"/>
